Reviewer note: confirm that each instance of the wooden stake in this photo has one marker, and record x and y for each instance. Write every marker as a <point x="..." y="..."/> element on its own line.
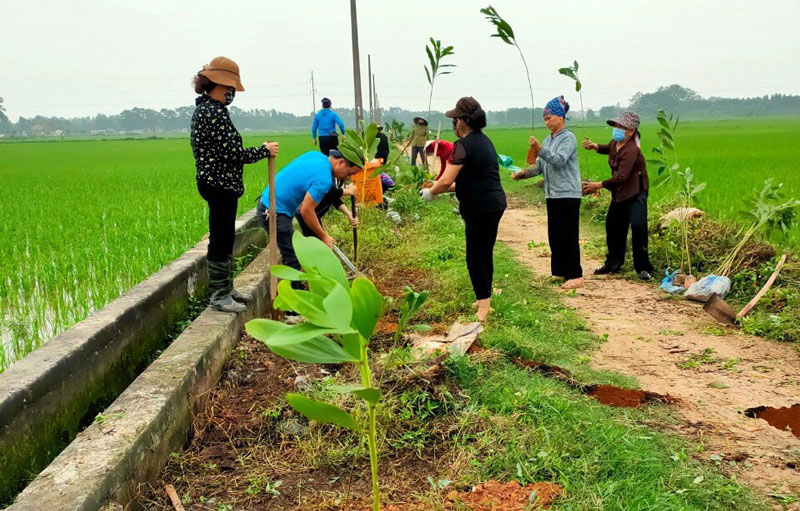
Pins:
<point x="173" y="497"/>
<point x="355" y="230"/>
<point x="273" y="231"/>
<point x="752" y="303"/>
<point x="436" y="148"/>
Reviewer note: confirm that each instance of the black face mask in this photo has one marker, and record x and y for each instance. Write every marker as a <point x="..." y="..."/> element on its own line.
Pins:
<point x="229" y="95"/>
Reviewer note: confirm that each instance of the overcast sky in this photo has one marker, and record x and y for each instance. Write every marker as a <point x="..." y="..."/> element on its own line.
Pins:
<point x="75" y="58"/>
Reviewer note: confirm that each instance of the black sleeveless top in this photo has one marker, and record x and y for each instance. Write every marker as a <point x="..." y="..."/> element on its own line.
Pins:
<point x="478" y="185"/>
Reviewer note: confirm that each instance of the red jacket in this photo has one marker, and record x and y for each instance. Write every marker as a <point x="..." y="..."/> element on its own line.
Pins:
<point x="444" y="150"/>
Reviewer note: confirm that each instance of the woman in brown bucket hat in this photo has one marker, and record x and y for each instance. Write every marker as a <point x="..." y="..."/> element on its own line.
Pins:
<point x="473" y="174"/>
<point x="629" y="189"/>
<point x="219" y="158"/>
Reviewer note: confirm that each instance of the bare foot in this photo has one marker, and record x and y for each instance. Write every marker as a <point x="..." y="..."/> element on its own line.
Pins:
<point x="474" y="305"/>
<point x="573" y="283"/>
<point x="484" y="308"/>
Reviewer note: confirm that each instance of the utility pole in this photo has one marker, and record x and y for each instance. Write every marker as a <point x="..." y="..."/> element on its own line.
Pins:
<point x="375" y="101"/>
<point x="313" y="95"/>
<point x="369" y="74"/>
<point x="356" y="66"/>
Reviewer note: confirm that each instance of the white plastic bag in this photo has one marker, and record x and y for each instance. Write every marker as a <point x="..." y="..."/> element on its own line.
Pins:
<point x="702" y="290"/>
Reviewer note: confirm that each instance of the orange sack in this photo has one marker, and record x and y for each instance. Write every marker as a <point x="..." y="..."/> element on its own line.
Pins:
<point x="370" y="191"/>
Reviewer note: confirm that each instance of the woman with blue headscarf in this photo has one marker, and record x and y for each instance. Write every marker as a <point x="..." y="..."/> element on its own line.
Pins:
<point x="557" y="160"/>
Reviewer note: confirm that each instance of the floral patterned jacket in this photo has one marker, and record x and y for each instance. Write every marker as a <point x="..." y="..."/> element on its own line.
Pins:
<point x="217" y="147"/>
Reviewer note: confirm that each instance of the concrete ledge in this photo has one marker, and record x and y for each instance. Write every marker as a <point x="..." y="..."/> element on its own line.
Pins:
<point x="47" y="397"/>
<point x="151" y="418"/>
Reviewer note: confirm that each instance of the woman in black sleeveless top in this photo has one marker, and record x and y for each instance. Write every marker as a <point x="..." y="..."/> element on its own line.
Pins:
<point x="475" y="178"/>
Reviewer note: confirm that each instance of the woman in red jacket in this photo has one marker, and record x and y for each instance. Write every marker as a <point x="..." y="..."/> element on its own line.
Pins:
<point x="443" y="151"/>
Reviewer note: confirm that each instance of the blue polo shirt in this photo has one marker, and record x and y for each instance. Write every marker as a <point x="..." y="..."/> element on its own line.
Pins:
<point x="308" y="173"/>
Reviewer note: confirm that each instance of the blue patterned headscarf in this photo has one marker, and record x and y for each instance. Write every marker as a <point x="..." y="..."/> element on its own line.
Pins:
<point x="556" y="106"/>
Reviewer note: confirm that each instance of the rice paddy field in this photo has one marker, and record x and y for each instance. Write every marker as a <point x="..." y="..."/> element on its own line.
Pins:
<point x="85" y="220"/>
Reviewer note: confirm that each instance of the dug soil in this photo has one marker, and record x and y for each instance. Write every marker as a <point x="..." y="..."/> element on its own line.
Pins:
<point x="673" y="348"/>
<point x="245" y="439"/>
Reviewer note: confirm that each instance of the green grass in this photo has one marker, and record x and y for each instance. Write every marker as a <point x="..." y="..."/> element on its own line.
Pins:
<point x="732" y="156"/>
<point x="86" y="220"/>
<point x="507" y="423"/>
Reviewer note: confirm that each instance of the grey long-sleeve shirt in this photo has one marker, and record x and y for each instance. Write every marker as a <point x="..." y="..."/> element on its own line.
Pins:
<point x="558" y="161"/>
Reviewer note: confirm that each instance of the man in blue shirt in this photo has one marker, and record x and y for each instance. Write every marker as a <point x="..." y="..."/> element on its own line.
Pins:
<point x="299" y="187"/>
<point x="326" y="121"/>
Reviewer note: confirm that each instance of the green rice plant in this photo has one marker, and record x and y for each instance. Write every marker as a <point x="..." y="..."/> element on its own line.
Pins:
<point x="412" y="303"/>
<point x="435" y="56"/>
<point x="85" y="220"/>
<point x="766" y="209"/>
<point x="340" y="320"/>
<point x="506" y="34"/>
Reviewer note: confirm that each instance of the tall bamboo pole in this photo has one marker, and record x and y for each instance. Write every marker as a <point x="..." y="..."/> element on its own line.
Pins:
<point x="369" y="74"/>
<point x="356" y="65"/>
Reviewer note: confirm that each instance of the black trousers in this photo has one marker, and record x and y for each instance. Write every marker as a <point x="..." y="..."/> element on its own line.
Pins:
<point x="481" y="233"/>
<point x="284" y="232"/>
<point x="222" y="205"/>
<point x="418" y="150"/>
<point x="328" y="142"/>
<point x="304" y="228"/>
<point x="563" y="221"/>
<point x="631" y="212"/>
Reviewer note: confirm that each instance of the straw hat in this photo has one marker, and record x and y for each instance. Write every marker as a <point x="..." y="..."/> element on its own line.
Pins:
<point x="223" y="71"/>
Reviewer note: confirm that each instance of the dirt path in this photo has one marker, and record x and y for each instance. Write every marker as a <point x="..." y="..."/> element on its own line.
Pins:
<point x="649" y="335"/>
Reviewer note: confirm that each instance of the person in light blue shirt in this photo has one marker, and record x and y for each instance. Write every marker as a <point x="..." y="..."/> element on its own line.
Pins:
<point x="324" y="126"/>
<point x="299" y="187"/>
<point x="557" y="159"/>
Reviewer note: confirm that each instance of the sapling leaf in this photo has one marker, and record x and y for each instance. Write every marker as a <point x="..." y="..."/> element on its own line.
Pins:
<point x="263" y="329"/>
<point x="577" y="85"/>
<point x="317" y="350"/>
<point x="338" y="307"/>
<point x="288" y="273"/>
<point x="355" y="137"/>
<point x="352" y="344"/>
<point x="420" y="328"/>
<point x="321" y="412"/>
<point x="302" y="332"/>
<point x="428" y="74"/>
<point x="313" y="254"/>
<point x="367" y="306"/>
<point x="576" y="66"/>
<point x="368" y="394"/>
<point x="308" y="305"/>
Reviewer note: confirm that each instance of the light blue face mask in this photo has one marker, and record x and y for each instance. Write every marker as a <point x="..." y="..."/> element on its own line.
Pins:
<point x="618" y="134"/>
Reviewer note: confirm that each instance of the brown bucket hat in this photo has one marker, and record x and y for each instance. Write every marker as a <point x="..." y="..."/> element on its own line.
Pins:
<point x="465" y="107"/>
<point x="223" y="71"/>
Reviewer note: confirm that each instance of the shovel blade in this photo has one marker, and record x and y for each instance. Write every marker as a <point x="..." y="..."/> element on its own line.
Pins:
<point x="719" y="309"/>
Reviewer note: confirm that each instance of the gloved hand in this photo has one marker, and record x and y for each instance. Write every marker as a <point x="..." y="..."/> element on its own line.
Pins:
<point x="426" y="195"/>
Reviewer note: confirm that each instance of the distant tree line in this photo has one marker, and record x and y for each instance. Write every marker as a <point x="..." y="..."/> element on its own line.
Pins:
<point x="675" y="98"/>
